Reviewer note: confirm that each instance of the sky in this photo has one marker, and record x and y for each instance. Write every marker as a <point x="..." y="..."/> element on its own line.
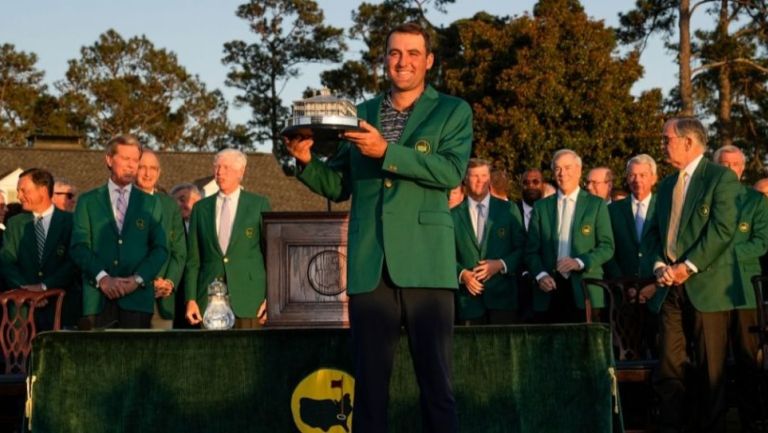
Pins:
<point x="196" y="30"/>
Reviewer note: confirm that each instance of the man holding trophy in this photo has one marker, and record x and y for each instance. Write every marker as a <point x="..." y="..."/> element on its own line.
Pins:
<point x="412" y="146"/>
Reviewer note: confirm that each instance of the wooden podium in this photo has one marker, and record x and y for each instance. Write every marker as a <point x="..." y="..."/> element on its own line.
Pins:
<point x="306" y="261"/>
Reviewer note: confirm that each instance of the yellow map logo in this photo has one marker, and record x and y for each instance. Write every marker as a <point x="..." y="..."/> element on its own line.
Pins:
<point x="323" y="401"/>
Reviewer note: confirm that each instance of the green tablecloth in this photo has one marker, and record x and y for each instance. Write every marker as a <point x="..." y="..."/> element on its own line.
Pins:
<point x="506" y="379"/>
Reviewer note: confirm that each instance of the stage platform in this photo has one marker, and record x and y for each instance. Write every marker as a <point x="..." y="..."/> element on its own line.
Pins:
<point x="514" y="379"/>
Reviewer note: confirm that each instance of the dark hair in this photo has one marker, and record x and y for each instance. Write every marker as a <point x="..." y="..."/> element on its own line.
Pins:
<point x="412" y="28"/>
<point x="123" y="140"/>
<point x="40" y="177"/>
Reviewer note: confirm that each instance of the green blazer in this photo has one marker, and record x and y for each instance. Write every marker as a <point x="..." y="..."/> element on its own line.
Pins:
<point x="708" y="222"/>
<point x="750" y="242"/>
<point x="140" y="249"/>
<point x="176" y="242"/>
<point x="399" y="209"/>
<point x="591" y="242"/>
<point x="503" y="239"/>
<point x="242" y="268"/>
<point x="19" y="260"/>
<point x="634" y="256"/>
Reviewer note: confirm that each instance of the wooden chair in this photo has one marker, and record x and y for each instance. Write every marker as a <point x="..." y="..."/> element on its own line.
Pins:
<point x="634" y="335"/>
<point x="17" y="329"/>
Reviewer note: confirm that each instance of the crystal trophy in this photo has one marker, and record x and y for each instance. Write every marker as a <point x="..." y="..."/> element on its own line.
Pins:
<point x="218" y="314"/>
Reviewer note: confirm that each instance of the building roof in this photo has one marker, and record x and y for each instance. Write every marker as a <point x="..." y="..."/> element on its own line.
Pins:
<point x="86" y="169"/>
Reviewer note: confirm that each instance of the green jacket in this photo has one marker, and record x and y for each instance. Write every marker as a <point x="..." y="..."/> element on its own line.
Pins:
<point x="750" y="242"/>
<point x="399" y="209"/>
<point x="19" y="261"/>
<point x="140" y="249"/>
<point x="708" y="222"/>
<point x="242" y="268"/>
<point x="173" y="268"/>
<point x="634" y="257"/>
<point x="504" y="239"/>
<point x="591" y="242"/>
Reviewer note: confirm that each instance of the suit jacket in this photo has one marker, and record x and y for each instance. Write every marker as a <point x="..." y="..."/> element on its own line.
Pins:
<point x="242" y="268"/>
<point x="591" y="242"/>
<point x="750" y="242"/>
<point x="140" y="249"/>
<point x="399" y="208"/>
<point x="19" y="260"/>
<point x="707" y="225"/>
<point x="176" y="242"/>
<point x="635" y="256"/>
<point x="503" y="238"/>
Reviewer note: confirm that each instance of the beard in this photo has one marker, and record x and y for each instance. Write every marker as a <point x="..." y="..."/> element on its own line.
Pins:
<point x="531" y="195"/>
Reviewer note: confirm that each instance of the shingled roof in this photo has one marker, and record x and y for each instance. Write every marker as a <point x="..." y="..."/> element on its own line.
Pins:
<point x="86" y="169"/>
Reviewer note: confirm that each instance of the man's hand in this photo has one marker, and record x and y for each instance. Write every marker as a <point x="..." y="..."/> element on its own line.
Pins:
<point x="567" y="264"/>
<point x="663" y="276"/>
<point x="299" y="147"/>
<point x="485" y="269"/>
<point x="127" y="285"/>
<point x="646" y="293"/>
<point x="193" y="313"/>
<point x="36" y="288"/>
<point x="369" y="142"/>
<point x="110" y="287"/>
<point x="547" y="284"/>
<point x="262" y="313"/>
<point x="680" y="273"/>
<point x="470" y="281"/>
<point x="163" y="287"/>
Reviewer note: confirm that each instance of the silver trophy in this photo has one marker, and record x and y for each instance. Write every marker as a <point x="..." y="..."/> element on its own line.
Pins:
<point x="218" y="314"/>
<point x="323" y="117"/>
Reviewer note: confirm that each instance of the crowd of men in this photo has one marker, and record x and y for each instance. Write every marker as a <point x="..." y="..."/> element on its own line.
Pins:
<point x="131" y="256"/>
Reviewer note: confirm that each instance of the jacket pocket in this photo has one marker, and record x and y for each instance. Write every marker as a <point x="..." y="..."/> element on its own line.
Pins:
<point x="436" y="218"/>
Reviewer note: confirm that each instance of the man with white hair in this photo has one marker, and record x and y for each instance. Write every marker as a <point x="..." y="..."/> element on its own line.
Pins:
<point x="569" y="233"/>
<point x="632" y="219"/>
<point x="224" y="240"/>
<point x="749" y="244"/>
<point x="697" y="211"/>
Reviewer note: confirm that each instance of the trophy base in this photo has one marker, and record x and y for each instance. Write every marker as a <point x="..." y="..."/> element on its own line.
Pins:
<point x="319" y="131"/>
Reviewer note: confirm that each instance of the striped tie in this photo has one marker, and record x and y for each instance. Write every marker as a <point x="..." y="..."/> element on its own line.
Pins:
<point x="40" y="235"/>
<point x="120" y="206"/>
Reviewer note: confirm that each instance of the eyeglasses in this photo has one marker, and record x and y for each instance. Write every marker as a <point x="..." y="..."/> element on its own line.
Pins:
<point x="70" y="195"/>
<point x="595" y="182"/>
<point x="665" y="139"/>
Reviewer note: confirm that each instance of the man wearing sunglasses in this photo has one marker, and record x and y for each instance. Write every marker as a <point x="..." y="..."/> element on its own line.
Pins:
<point x="64" y="195"/>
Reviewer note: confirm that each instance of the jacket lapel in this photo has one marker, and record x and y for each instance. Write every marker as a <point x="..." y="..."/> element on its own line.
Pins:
<point x="649" y="214"/>
<point x="467" y="222"/>
<point x="695" y="189"/>
<point x="626" y="210"/>
<point x="52" y="237"/>
<point x="135" y="202"/>
<point x="239" y="217"/>
<point x="578" y="215"/>
<point x="106" y="204"/>
<point x="209" y="214"/>
<point x="421" y="110"/>
<point x="493" y="210"/>
<point x="551" y="218"/>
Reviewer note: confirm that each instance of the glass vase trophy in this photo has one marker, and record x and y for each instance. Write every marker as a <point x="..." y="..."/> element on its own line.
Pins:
<point x="323" y="117"/>
<point x="218" y="314"/>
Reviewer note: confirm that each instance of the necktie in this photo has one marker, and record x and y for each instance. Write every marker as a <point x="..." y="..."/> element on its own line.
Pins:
<point x="120" y="207"/>
<point x="480" y="222"/>
<point x="40" y="235"/>
<point x="678" y="196"/>
<point x="564" y="231"/>
<point x="639" y="220"/>
<point x="225" y="225"/>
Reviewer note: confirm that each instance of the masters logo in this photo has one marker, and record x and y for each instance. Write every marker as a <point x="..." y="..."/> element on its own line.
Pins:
<point x="322" y="402"/>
